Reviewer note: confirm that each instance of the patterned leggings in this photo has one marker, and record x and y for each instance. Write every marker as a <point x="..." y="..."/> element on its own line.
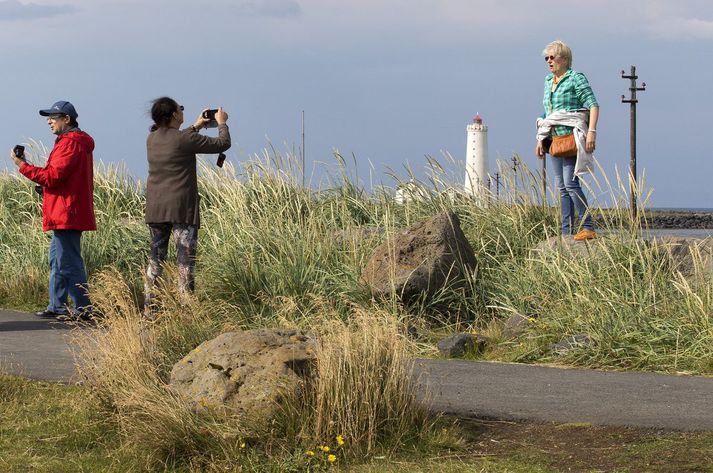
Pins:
<point x="186" y="237"/>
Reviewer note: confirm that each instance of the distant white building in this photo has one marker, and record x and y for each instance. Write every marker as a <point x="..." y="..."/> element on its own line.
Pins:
<point x="477" y="180"/>
<point x="410" y="192"/>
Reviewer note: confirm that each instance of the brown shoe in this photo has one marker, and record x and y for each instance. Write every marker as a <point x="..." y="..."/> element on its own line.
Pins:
<point x="585" y="235"/>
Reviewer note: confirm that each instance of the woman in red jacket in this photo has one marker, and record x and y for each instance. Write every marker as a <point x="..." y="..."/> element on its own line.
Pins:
<point x="67" y="182"/>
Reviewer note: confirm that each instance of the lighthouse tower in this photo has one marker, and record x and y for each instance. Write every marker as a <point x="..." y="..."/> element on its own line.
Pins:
<point x="476" y="160"/>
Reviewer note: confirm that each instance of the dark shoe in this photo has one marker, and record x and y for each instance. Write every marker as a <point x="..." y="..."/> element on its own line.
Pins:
<point x="48" y="314"/>
<point x="74" y="316"/>
<point x="89" y="317"/>
<point x="68" y="317"/>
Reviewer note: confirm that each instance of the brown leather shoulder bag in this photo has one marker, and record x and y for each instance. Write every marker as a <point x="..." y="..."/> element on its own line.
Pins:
<point x="563" y="146"/>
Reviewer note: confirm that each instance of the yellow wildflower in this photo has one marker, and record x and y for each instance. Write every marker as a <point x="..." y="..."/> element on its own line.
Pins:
<point x="324" y="448"/>
<point x="242" y="445"/>
<point x="340" y="440"/>
<point x="331" y="458"/>
<point x="310" y="453"/>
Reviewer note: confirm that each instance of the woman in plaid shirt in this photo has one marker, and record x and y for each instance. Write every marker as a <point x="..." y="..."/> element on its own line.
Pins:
<point x="569" y="91"/>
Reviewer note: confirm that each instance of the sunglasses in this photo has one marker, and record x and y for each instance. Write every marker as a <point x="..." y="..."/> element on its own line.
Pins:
<point x="550" y="58"/>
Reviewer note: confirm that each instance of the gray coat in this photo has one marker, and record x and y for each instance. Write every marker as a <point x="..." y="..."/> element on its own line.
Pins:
<point x="172" y="185"/>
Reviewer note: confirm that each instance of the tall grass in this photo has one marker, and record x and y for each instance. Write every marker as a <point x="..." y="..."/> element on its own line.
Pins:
<point x="360" y="390"/>
<point x="127" y="366"/>
<point x="639" y="313"/>
<point x="265" y="237"/>
<point x="363" y="390"/>
<point x="267" y="245"/>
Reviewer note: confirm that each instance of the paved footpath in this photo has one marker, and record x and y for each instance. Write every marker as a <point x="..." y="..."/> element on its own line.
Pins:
<point x="41" y="349"/>
<point x="36" y="348"/>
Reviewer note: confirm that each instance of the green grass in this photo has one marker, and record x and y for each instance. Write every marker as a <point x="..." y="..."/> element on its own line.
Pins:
<point x="57" y="428"/>
<point x="264" y="238"/>
<point x="51" y="428"/>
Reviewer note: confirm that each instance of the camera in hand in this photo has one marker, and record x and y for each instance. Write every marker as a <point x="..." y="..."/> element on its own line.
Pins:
<point x="19" y="151"/>
<point x="210" y="115"/>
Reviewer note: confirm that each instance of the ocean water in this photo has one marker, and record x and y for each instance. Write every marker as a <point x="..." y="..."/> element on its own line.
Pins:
<point x="683" y="209"/>
<point x="684" y="232"/>
<point x="687" y="232"/>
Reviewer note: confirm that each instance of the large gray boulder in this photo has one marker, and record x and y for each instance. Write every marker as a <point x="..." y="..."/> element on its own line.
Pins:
<point x="421" y="260"/>
<point x="461" y="343"/>
<point x="517" y="324"/>
<point x="245" y="373"/>
<point x="566" y="346"/>
<point x="685" y="253"/>
<point x="566" y="246"/>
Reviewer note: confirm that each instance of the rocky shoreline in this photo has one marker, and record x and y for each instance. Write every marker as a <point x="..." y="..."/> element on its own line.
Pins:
<point x="679" y="219"/>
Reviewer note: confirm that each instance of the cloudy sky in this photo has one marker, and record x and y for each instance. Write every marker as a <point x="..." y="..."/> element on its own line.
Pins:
<point x="385" y="82"/>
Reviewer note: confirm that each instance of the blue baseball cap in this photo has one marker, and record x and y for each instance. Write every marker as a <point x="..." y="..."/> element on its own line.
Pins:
<point x="63" y="107"/>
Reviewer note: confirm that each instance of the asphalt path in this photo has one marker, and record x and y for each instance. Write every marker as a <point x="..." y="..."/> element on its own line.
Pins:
<point x="37" y="348"/>
<point x="43" y="350"/>
<point x="520" y="392"/>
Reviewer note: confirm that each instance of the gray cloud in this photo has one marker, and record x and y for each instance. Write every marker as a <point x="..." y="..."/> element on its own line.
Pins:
<point x="14" y="10"/>
<point x="682" y="28"/>
<point x="270" y="8"/>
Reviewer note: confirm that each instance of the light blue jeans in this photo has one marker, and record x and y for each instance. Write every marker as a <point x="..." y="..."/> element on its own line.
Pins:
<point x="67" y="274"/>
<point x="571" y="195"/>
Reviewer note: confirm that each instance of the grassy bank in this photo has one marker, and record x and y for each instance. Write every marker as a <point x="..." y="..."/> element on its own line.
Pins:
<point x="274" y="254"/>
<point x="264" y="239"/>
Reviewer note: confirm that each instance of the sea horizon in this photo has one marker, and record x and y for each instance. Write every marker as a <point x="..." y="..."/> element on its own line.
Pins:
<point x="683" y="209"/>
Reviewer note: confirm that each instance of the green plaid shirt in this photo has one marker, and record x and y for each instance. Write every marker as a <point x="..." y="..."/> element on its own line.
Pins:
<point x="573" y="92"/>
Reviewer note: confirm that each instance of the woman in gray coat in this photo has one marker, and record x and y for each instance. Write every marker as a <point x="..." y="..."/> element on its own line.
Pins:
<point x="172" y="205"/>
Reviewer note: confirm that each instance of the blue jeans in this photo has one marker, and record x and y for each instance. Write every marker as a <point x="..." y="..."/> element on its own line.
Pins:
<point x="571" y="195"/>
<point x="67" y="274"/>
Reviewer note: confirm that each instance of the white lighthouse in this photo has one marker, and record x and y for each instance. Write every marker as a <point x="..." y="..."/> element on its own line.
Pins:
<point x="476" y="161"/>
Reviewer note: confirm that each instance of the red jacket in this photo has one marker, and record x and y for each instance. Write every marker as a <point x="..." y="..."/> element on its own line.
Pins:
<point x="67" y="183"/>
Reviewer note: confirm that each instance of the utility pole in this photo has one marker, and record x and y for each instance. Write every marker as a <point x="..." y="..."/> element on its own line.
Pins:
<point x="497" y="186"/>
<point x="490" y="187"/>
<point x="515" y="166"/>
<point x="303" y="149"/>
<point x="632" y="136"/>
<point x="543" y="170"/>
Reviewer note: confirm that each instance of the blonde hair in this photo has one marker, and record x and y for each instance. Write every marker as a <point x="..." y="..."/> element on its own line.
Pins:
<point x="559" y="48"/>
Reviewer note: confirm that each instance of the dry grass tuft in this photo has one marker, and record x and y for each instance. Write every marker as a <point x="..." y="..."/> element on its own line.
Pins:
<point x="365" y="390"/>
<point x="127" y="365"/>
<point x="362" y="389"/>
